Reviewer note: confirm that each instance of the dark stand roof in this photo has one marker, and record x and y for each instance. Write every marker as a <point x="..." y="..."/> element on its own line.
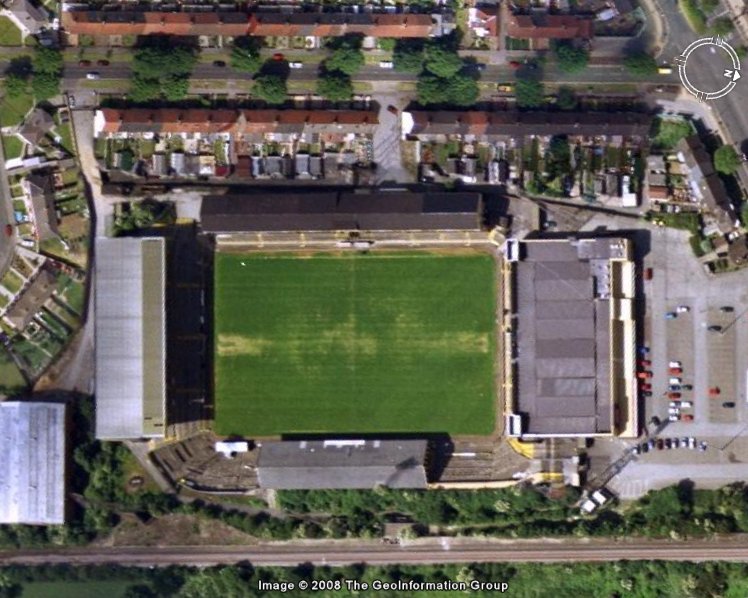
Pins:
<point x="341" y="211"/>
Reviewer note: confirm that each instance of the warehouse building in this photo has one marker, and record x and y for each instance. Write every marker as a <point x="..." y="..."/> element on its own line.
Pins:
<point x="310" y="464"/>
<point x="130" y="338"/>
<point x="32" y="470"/>
<point x="570" y="358"/>
<point x="331" y="211"/>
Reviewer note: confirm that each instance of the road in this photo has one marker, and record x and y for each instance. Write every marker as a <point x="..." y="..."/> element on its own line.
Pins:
<point x="729" y="111"/>
<point x="436" y="551"/>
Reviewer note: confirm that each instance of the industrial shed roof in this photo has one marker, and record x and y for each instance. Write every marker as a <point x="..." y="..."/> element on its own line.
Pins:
<point x="342" y="464"/>
<point x="130" y="338"/>
<point x="32" y="470"/>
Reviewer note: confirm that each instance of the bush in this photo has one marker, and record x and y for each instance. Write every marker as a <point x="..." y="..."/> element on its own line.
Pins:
<point x="271" y="88"/>
<point x="694" y="16"/>
<point x="336" y="87"/>
<point x="640" y="63"/>
<point x="570" y="58"/>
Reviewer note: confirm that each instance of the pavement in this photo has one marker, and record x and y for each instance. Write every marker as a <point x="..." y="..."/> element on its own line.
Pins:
<point x="7" y="244"/>
<point x="428" y="551"/>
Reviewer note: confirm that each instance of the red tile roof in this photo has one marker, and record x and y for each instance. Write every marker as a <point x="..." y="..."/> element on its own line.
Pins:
<point x="549" y="27"/>
<point x="173" y="120"/>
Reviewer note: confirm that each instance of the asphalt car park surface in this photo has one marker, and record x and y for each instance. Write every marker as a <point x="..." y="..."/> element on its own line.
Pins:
<point x="709" y="359"/>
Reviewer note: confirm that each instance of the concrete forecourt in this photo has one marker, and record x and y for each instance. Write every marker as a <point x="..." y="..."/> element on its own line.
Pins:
<point x="339" y="343"/>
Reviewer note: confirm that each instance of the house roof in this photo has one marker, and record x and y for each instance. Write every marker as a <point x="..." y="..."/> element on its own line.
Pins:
<point x="173" y="120"/>
<point x="545" y="26"/>
<point x="658" y="192"/>
<point x="341" y="211"/>
<point x="515" y="124"/>
<point x="125" y="22"/>
<point x="32" y="299"/>
<point x="32" y="470"/>
<point x="342" y="464"/>
<point x="41" y="190"/>
<point x="130" y="338"/>
<point x="36" y="125"/>
<point x="28" y="15"/>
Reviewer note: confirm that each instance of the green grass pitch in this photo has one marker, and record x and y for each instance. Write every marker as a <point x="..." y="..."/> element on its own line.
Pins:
<point x="377" y="343"/>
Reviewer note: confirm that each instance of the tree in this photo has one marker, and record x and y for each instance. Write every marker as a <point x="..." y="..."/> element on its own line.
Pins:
<point x="216" y="583"/>
<point x="47" y="60"/>
<point x="459" y="90"/>
<point x="462" y="90"/>
<point x="441" y="61"/>
<point x="430" y="90"/>
<point x="45" y="86"/>
<point x="271" y="88"/>
<point x="335" y="86"/>
<point x="144" y="90"/>
<point x="408" y="56"/>
<point x="709" y="6"/>
<point x="14" y="86"/>
<point x="175" y="88"/>
<point x="245" y="55"/>
<point x="570" y="58"/>
<point x="722" y="26"/>
<point x="640" y="63"/>
<point x="726" y="160"/>
<point x="163" y="60"/>
<point x="529" y="93"/>
<point x="566" y="98"/>
<point x="346" y="59"/>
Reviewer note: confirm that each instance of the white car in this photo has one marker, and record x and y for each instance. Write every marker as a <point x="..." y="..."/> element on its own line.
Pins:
<point x="386" y="64"/>
<point x="673" y="411"/>
<point x="674" y="381"/>
<point x="691" y="442"/>
<point x="674" y="417"/>
<point x="686" y="404"/>
<point x="674" y="364"/>
<point x="683" y="309"/>
<point x="295" y="65"/>
<point x="93" y="76"/>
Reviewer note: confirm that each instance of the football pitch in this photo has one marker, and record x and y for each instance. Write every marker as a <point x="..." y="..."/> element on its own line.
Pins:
<point x="345" y="343"/>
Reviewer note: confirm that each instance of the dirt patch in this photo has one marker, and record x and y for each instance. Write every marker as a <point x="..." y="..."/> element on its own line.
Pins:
<point x="174" y="530"/>
<point x="230" y="345"/>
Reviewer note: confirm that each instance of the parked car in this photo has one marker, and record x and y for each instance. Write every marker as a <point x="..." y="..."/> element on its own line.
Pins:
<point x="515" y="64"/>
<point x="682" y="309"/>
<point x="648" y="274"/>
<point x="646" y="393"/>
<point x="675" y="371"/>
<point x="668" y="443"/>
<point x="726" y="309"/>
<point x="8" y="230"/>
<point x="637" y="449"/>
<point x="295" y="65"/>
<point x="643" y="350"/>
<point x="219" y="63"/>
<point x="84" y="63"/>
<point x="673" y="411"/>
<point x="674" y="380"/>
<point x="660" y="444"/>
<point x="691" y="442"/>
<point x="392" y="110"/>
<point x="645" y="447"/>
<point x="714" y="328"/>
<point x="671" y="315"/>
<point x="278" y="56"/>
<point x="729" y="404"/>
<point x="386" y="64"/>
<point x="645" y="363"/>
<point x="674" y="364"/>
<point x="674" y="388"/>
<point x="675" y="442"/>
<point x="93" y="76"/>
<point x="686" y="404"/>
<point x="714" y="391"/>
<point x="646" y="386"/>
<point x="687" y="417"/>
<point x="703" y="445"/>
<point x="674" y="417"/>
<point x="687" y="387"/>
<point x="674" y="404"/>
<point x="102" y="62"/>
<point x="673" y="395"/>
<point x="643" y="375"/>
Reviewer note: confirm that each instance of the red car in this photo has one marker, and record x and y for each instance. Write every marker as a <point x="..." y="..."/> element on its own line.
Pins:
<point x="687" y="417"/>
<point x="84" y="63"/>
<point x="514" y="64"/>
<point x="102" y="62"/>
<point x="673" y="395"/>
<point x="645" y="363"/>
<point x="646" y="387"/>
<point x="643" y="375"/>
<point x="8" y="230"/>
<point x="675" y="371"/>
<point x="714" y="391"/>
<point x="278" y="56"/>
